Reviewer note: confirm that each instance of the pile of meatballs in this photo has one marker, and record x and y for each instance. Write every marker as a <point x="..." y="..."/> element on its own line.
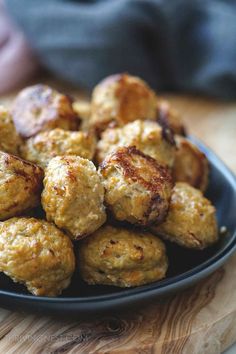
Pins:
<point x="114" y="178"/>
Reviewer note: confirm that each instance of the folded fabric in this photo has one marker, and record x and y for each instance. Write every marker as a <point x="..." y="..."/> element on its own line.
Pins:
<point x="175" y="45"/>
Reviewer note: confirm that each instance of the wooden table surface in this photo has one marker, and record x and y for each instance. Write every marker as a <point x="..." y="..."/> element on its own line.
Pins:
<point x="197" y="321"/>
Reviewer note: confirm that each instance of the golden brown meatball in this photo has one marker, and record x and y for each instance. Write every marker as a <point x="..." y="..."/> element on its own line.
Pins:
<point x="168" y="117"/>
<point x="137" y="188"/>
<point x="9" y="139"/>
<point x="191" y="220"/>
<point x="42" y="147"/>
<point x="147" y="136"/>
<point x="191" y="165"/>
<point x="120" y="99"/>
<point x="83" y="111"/>
<point x="73" y="195"/>
<point x="39" y="108"/>
<point x="120" y="257"/>
<point x="20" y="187"/>
<point x="35" y="253"/>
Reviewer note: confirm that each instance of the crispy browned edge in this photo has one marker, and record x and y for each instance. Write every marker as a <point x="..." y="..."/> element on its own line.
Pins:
<point x="162" y="118"/>
<point x="38" y="175"/>
<point x="36" y="91"/>
<point x="122" y="157"/>
<point x="121" y="78"/>
<point x="200" y="180"/>
<point x="36" y="169"/>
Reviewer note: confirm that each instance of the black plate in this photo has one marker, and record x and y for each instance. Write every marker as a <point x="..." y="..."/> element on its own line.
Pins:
<point x="186" y="267"/>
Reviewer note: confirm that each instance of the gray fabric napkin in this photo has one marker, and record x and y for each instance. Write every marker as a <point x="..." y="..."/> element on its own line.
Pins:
<point x="181" y="45"/>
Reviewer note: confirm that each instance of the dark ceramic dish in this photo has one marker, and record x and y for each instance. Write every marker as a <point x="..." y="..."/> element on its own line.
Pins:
<point x="186" y="267"/>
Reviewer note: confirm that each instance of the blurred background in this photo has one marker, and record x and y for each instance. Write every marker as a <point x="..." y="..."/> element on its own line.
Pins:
<point x="186" y="50"/>
<point x="176" y="46"/>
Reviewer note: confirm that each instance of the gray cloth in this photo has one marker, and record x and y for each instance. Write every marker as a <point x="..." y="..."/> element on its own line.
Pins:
<point x="183" y="45"/>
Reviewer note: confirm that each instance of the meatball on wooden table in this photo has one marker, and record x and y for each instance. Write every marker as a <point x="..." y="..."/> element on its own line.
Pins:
<point x="199" y="320"/>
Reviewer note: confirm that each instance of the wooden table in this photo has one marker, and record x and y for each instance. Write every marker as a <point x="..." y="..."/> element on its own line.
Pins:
<point x="197" y="321"/>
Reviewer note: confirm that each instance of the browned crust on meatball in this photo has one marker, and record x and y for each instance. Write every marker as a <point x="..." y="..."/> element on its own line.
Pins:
<point x="122" y="157"/>
<point x="169" y="119"/>
<point x="168" y="134"/>
<point x="151" y="177"/>
<point x="124" y="94"/>
<point x="39" y="108"/>
<point x="37" y="172"/>
<point x="21" y="185"/>
<point x="128" y="98"/>
<point x="198" y="166"/>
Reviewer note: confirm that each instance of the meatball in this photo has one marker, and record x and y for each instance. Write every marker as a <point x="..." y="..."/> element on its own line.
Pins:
<point x="42" y="147"/>
<point x="147" y="136"/>
<point x="35" y="253"/>
<point x="9" y="139"/>
<point x="168" y="117"/>
<point x="21" y="185"/>
<point x="73" y="195"/>
<point x="137" y="188"/>
<point x="39" y="108"/>
<point x="191" y="220"/>
<point x="120" y="257"/>
<point x="191" y="165"/>
<point x="83" y="111"/>
<point x="120" y="99"/>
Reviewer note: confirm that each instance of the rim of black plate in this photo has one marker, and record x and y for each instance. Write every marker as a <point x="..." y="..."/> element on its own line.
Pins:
<point x="163" y="285"/>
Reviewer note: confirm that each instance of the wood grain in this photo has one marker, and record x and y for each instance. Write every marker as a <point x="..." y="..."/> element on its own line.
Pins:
<point x="200" y="320"/>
